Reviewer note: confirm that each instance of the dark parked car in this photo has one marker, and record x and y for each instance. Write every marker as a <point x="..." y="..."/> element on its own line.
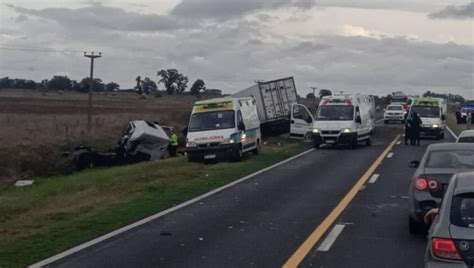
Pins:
<point x="451" y="237"/>
<point x="432" y="176"/>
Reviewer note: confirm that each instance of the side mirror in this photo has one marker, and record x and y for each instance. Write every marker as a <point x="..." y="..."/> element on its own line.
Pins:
<point x="241" y="126"/>
<point x="414" y="164"/>
<point x="309" y="120"/>
<point x="358" y="119"/>
<point x="443" y="117"/>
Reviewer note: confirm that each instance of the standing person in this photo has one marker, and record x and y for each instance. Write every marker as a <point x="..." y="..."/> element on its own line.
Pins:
<point x="173" y="145"/>
<point x="407" y="128"/>
<point x="416" y="127"/>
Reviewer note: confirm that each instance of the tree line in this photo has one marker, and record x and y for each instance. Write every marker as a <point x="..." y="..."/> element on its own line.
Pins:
<point x="173" y="81"/>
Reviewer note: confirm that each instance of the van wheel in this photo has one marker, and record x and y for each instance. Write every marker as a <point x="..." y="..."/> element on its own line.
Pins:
<point x="257" y="149"/>
<point x="385" y="121"/>
<point x="238" y="154"/>
<point x="368" y="141"/>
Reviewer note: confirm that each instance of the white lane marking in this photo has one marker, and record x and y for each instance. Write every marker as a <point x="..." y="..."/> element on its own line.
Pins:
<point x="452" y="133"/>
<point x="374" y="178"/>
<point x="331" y="238"/>
<point x="159" y="215"/>
<point x="389" y="155"/>
<point x="398" y="142"/>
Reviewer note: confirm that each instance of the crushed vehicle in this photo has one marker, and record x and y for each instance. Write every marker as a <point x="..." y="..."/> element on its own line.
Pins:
<point x="141" y="141"/>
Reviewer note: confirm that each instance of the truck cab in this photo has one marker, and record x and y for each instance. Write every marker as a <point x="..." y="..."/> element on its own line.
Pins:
<point x="432" y="112"/>
<point x="223" y="128"/>
<point x="340" y="119"/>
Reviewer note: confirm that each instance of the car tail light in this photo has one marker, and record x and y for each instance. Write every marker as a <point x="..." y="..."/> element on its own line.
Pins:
<point x="425" y="184"/>
<point x="445" y="249"/>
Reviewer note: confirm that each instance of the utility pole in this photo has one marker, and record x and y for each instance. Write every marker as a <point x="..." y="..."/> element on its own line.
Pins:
<point x="91" y="88"/>
<point x="314" y="95"/>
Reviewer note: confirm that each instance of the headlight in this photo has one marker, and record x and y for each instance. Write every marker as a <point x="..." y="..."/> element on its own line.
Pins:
<point x="243" y="136"/>
<point x="434" y="125"/>
<point x="316" y="130"/>
<point x="346" y="130"/>
<point x="228" y="141"/>
<point x="191" y="144"/>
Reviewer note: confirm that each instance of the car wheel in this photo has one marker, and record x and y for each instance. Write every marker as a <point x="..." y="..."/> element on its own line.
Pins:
<point x="413" y="226"/>
<point x="385" y="121"/>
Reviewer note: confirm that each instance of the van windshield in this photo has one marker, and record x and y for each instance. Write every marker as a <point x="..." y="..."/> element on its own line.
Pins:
<point x="335" y="112"/>
<point x="426" y="111"/>
<point x="212" y="121"/>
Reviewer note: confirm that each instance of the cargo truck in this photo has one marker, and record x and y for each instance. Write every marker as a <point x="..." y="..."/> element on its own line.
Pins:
<point x="274" y="100"/>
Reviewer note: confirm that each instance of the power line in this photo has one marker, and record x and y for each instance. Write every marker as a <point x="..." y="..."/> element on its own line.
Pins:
<point x="39" y="49"/>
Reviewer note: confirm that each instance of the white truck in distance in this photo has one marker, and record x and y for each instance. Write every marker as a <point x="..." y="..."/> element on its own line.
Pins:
<point x="223" y="128"/>
<point x="274" y="100"/>
<point x="340" y="119"/>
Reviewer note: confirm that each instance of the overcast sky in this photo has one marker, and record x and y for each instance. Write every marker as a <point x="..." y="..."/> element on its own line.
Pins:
<point x="367" y="46"/>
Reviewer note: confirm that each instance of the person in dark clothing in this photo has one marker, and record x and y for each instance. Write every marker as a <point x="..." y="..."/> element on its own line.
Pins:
<point x="416" y="128"/>
<point x="407" y="128"/>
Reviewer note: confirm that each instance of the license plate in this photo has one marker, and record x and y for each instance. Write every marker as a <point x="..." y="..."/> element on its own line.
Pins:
<point x="330" y="141"/>
<point x="209" y="156"/>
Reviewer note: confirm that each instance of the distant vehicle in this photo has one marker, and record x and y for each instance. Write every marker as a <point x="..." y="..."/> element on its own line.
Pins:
<point x="340" y="119"/>
<point x="463" y="112"/>
<point x="394" y="112"/>
<point x="451" y="236"/>
<point x="432" y="176"/>
<point x="223" y="128"/>
<point x="432" y="112"/>
<point x="466" y="136"/>
<point x="401" y="99"/>
<point x="274" y="100"/>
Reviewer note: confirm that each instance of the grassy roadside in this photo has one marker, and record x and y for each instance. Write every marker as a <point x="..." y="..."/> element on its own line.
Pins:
<point x="452" y="123"/>
<point x="57" y="213"/>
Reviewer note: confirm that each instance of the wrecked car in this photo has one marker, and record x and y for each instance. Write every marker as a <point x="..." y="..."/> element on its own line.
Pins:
<point x="141" y="141"/>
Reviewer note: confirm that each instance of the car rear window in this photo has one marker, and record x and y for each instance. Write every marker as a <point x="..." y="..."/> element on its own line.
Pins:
<point x="394" y="108"/>
<point x="461" y="159"/>
<point x="462" y="210"/>
<point x="466" y="139"/>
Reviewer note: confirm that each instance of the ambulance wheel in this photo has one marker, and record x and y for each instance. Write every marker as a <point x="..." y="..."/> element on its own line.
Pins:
<point x="257" y="149"/>
<point x="238" y="154"/>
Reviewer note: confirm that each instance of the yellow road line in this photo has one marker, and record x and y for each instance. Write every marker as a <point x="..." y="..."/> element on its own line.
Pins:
<point x="311" y="241"/>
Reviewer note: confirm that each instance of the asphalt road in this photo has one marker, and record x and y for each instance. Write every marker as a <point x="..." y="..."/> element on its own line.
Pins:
<point x="262" y="221"/>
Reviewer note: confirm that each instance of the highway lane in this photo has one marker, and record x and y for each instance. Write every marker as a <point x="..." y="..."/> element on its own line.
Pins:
<point x="259" y="222"/>
<point x="375" y="224"/>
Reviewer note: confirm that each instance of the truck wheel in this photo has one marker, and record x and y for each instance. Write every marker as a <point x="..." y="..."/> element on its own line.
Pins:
<point x="257" y="149"/>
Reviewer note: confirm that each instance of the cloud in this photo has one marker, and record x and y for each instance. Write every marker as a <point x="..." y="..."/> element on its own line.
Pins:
<point x="106" y="18"/>
<point x="455" y="12"/>
<point x="221" y="9"/>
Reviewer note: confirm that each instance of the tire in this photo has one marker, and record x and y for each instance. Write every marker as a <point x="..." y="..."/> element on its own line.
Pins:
<point x="414" y="227"/>
<point x="85" y="161"/>
<point x="257" y="149"/>
<point x="238" y="154"/>
<point x="385" y="121"/>
<point x="368" y="141"/>
<point x="442" y="136"/>
<point x="316" y="145"/>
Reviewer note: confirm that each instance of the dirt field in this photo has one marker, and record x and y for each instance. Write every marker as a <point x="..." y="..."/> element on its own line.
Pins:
<point x="35" y="128"/>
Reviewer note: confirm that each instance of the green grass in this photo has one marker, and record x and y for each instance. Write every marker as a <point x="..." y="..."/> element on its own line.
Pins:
<point x="452" y="123"/>
<point x="57" y="213"/>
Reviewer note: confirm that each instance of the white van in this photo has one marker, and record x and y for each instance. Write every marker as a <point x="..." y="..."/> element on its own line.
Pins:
<point x="340" y="119"/>
<point x="223" y="128"/>
<point x="432" y="112"/>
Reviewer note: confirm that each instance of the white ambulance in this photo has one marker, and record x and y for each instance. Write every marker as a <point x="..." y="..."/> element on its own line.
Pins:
<point x="340" y="119"/>
<point x="223" y="128"/>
